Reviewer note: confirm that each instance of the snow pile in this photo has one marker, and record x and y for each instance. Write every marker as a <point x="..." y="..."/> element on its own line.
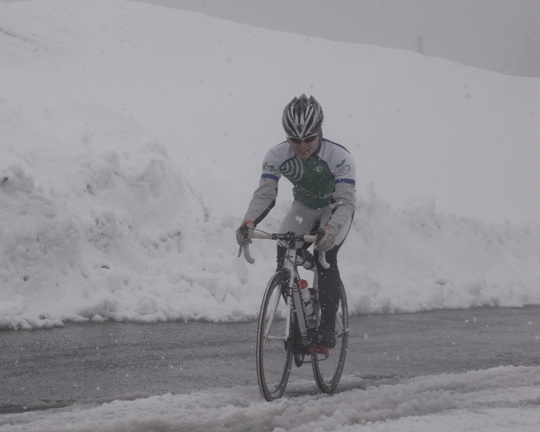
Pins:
<point x="500" y="399"/>
<point x="418" y="259"/>
<point x="131" y="138"/>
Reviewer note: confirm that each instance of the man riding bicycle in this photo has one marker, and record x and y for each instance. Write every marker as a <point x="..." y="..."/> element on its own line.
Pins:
<point x="323" y="176"/>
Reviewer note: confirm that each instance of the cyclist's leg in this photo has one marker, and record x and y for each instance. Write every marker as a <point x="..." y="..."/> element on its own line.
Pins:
<point x="300" y="220"/>
<point x="329" y="283"/>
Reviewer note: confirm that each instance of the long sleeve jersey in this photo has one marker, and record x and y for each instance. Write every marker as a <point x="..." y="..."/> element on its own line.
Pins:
<point x="328" y="177"/>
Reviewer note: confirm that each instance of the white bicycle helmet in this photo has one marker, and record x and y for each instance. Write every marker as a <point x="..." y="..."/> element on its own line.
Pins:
<point x="302" y="117"/>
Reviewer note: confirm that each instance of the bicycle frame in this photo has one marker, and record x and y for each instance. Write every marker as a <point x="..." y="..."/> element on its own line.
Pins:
<point x="290" y="265"/>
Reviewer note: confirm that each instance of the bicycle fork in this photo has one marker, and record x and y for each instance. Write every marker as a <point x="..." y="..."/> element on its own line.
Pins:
<point x="300" y="315"/>
<point x="296" y="298"/>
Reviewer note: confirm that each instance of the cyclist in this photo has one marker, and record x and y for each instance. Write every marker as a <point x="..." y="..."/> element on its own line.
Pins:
<point x="323" y="176"/>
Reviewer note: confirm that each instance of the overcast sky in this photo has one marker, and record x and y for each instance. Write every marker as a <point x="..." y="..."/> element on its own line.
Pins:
<point x="499" y="35"/>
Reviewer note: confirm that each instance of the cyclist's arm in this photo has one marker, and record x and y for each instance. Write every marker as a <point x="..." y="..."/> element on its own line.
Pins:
<point x="344" y="195"/>
<point x="264" y="199"/>
<point x="345" y="202"/>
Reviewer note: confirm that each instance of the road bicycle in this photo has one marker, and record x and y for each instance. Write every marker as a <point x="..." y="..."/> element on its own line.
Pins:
<point x="289" y="319"/>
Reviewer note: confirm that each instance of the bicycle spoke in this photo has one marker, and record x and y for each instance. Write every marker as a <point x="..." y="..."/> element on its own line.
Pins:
<point x="274" y="343"/>
<point x="272" y="311"/>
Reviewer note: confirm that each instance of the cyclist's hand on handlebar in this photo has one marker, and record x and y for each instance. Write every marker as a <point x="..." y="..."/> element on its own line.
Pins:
<point x="325" y="238"/>
<point x="244" y="233"/>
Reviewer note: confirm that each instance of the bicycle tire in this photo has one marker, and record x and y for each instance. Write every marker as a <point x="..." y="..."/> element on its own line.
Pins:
<point x="327" y="370"/>
<point x="274" y="340"/>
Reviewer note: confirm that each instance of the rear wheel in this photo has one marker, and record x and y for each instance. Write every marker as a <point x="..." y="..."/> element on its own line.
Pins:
<point x="274" y="339"/>
<point x="328" y="370"/>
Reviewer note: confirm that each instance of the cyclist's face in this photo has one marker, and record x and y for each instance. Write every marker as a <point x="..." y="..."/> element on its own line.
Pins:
<point x="303" y="149"/>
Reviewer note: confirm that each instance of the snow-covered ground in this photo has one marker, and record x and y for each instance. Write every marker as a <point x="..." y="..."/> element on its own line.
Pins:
<point x="496" y="400"/>
<point x="131" y="138"/>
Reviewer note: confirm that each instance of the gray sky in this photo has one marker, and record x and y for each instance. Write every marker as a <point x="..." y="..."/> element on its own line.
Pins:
<point x="499" y="35"/>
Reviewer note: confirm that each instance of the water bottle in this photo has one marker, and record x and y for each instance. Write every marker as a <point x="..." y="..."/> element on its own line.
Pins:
<point x="308" y="299"/>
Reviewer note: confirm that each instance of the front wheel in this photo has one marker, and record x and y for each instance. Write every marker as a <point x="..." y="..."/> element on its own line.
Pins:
<point x="274" y="339"/>
<point x="328" y="370"/>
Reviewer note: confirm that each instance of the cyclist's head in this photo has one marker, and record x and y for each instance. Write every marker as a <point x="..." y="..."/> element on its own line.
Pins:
<point x="302" y="117"/>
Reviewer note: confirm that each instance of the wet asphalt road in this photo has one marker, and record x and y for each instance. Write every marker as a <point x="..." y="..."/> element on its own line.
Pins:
<point x="82" y="363"/>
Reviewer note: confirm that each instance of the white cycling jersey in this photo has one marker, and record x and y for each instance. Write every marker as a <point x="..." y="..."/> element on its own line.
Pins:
<point x="327" y="178"/>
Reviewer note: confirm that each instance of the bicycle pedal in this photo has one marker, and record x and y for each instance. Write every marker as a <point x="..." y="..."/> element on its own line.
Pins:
<point x="299" y="359"/>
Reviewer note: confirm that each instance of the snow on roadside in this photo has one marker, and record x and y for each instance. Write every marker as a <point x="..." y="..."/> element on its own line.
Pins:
<point x="499" y="399"/>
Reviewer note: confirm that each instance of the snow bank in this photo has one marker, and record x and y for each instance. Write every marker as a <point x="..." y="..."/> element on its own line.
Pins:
<point x="130" y="143"/>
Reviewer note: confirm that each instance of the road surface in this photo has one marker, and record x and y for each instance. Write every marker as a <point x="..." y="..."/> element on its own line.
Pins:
<point x="100" y="362"/>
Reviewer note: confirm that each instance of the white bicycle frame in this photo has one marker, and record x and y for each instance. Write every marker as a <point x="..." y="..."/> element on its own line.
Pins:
<point x="290" y="266"/>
